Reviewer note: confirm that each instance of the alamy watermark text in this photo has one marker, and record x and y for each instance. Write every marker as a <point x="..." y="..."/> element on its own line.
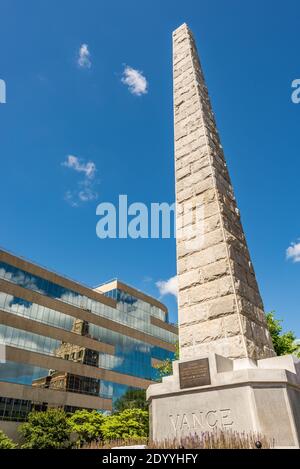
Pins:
<point x="296" y="93"/>
<point x="2" y="92"/>
<point x="159" y="220"/>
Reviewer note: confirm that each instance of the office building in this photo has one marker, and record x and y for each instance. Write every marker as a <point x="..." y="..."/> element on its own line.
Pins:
<point x="71" y="346"/>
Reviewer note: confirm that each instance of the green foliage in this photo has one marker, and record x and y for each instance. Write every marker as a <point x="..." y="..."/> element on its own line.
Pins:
<point x="284" y="344"/>
<point x="87" y="425"/>
<point x="131" y="423"/>
<point x="5" y="442"/>
<point x="54" y="429"/>
<point x="46" y="430"/>
<point x="132" y="399"/>
<point x="165" y="368"/>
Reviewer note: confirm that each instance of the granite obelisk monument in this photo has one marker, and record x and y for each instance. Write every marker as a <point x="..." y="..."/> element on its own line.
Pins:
<point x="228" y="375"/>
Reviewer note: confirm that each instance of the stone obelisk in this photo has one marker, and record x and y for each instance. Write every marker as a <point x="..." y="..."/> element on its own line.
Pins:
<point x="219" y="304"/>
<point x="228" y="376"/>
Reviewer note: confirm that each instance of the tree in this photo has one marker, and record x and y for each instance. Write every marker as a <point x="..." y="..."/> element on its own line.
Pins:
<point x="5" y="442"/>
<point x="165" y="368"/>
<point x="46" y="430"/>
<point x="87" y="425"/>
<point x="132" y="399"/>
<point x="131" y="423"/>
<point x="284" y="344"/>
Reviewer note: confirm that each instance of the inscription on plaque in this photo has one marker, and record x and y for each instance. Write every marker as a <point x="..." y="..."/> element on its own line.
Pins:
<point x="194" y="373"/>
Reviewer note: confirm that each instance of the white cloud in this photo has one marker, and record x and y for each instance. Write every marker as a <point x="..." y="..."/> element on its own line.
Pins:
<point x="78" y="165"/>
<point x="70" y="197"/>
<point x="168" y="287"/>
<point x="293" y="252"/>
<point x="85" y="191"/>
<point x="135" y="80"/>
<point x="84" y="57"/>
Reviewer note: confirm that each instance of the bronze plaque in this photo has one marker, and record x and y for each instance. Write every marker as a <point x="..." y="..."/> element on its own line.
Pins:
<point x="194" y="373"/>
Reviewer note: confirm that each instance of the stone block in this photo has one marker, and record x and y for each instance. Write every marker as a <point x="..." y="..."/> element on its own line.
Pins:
<point x="204" y="257"/>
<point x="243" y="397"/>
<point x="214" y="265"/>
<point x="214" y="289"/>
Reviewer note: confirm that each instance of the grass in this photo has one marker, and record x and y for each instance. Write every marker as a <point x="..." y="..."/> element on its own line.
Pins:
<point x="206" y="440"/>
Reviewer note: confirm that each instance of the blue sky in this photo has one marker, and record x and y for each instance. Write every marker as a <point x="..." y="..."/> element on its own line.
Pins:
<point x="57" y="107"/>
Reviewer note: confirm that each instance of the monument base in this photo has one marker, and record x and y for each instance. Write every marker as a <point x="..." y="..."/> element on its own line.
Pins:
<point x="241" y="395"/>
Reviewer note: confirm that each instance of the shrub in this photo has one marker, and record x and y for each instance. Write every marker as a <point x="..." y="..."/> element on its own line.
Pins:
<point x="5" y="442"/>
<point x="46" y="430"/>
<point x="130" y="423"/>
<point x="87" y="425"/>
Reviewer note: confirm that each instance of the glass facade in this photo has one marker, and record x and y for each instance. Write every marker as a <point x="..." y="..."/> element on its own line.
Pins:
<point x="135" y="315"/>
<point x="129" y="304"/>
<point x="14" y="409"/>
<point x="35" y="376"/>
<point x="130" y="357"/>
<point x="45" y="287"/>
<point x="35" y="312"/>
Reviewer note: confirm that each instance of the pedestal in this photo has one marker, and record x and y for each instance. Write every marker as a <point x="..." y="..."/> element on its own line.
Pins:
<point x="242" y="395"/>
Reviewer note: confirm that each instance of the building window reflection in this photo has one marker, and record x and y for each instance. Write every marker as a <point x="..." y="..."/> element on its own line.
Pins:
<point x="128" y="355"/>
